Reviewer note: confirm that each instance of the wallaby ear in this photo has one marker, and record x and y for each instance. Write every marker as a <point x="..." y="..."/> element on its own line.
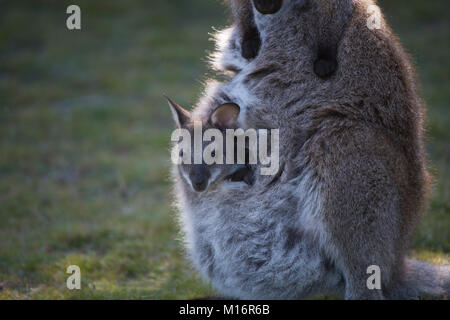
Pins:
<point x="225" y="116"/>
<point x="180" y="115"/>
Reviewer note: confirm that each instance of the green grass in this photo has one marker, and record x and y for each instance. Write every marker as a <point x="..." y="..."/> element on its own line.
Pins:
<point x="84" y="138"/>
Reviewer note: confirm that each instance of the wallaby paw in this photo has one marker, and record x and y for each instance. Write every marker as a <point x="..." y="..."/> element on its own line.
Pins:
<point x="250" y="46"/>
<point x="324" y="68"/>
<point x="268" y="6"/>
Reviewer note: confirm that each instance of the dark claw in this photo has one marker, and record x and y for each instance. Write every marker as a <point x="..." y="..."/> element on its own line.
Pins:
<point x="324" y="68"/>
<point x="250" y="45"/>
<point x="268" y="6"/>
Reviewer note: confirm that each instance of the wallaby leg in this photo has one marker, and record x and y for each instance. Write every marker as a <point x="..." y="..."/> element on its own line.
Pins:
<point x="362" y="224"/>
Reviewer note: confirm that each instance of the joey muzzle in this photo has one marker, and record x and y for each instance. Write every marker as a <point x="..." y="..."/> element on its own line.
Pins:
<point x="199" y="176"/>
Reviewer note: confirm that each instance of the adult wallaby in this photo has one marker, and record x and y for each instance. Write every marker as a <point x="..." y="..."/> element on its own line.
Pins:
<point x="246" y="35"/>
<point x="352" y="181"/>
<point x="363" y="131"/>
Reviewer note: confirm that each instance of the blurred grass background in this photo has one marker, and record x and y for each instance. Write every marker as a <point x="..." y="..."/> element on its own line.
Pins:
<point x="84" y="138"/>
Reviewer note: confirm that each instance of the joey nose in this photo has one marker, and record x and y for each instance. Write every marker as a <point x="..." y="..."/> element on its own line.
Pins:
<point x="199" y="184"/>
<point x="199" y="178"/>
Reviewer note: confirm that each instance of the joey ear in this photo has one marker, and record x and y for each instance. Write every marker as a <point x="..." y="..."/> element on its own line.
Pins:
<point x="225" y="116"/>
<point x="180" y="115"/>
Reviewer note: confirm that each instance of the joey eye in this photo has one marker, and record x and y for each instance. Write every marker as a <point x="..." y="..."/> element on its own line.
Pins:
<point x="181" y="154"/>
<point x="213" y="154"/>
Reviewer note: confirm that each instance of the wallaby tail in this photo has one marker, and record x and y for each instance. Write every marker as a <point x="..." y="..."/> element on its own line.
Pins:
<point x="423" y="280"/>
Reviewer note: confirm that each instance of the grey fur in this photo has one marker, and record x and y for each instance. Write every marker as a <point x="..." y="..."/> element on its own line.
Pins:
<point x="353" y="180"/>
<point x="246" y="39"/>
